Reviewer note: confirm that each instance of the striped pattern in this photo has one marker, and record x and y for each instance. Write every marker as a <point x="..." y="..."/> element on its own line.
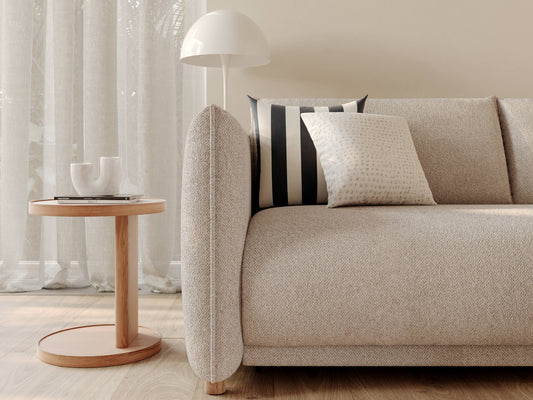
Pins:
<point x="288" y="168"/>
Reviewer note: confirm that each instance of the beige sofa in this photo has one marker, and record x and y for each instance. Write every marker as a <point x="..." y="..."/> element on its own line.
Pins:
<point x="450" y="284"/>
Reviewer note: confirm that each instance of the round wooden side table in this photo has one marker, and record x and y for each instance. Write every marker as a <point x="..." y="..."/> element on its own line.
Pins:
<point x="105" y="345"/>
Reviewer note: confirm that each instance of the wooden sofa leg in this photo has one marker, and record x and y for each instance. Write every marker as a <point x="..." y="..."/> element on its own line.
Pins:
<point x="215" y="388"/>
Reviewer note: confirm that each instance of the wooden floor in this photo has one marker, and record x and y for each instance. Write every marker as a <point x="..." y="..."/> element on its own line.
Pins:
<point x="167" y="375"/>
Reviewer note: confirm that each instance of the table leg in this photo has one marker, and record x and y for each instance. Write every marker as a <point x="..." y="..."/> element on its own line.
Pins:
<point x="126" y="277"/>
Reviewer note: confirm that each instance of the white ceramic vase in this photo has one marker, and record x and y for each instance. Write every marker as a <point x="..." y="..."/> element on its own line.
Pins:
<point x="86" y="182"/>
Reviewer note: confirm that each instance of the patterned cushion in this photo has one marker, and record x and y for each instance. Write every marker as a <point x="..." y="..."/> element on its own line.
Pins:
<point x="368" y="159"/>
<point x="289" y="171"/>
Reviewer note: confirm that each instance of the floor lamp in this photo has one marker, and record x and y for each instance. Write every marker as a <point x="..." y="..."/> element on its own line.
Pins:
<point x="227" y="39"/>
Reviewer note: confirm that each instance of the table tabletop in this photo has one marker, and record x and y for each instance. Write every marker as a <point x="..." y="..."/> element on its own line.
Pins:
<point x="52" y="208"/>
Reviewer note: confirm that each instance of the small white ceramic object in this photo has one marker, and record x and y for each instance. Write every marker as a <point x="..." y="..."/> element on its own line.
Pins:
<point x="86" y="182"/>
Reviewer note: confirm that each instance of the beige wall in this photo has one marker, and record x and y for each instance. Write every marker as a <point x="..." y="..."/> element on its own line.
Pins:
<point x="386" y="48"/>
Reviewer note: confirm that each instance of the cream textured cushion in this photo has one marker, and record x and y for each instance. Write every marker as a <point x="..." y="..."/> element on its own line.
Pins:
<point x="397" y="275"/>
<point x="368" y="159"/>
<point x="460" y="146"/>
<point x="516" y="118"/>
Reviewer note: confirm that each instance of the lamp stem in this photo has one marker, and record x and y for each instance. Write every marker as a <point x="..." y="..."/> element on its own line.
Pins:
<point x="224" y="61"/>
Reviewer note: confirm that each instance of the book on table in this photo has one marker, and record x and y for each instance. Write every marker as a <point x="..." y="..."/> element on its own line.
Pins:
<point x="100" y="199"/>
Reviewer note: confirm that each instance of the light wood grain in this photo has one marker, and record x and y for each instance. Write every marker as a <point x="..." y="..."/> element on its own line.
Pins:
<point x="133" y="276"/>
<point x="93" y="346"/>
<point x="24" y="321"/>
<point x="54" y="209"/>
<point x="126" y="278"/>
<point x="215" y="388"/>
<point x="167" y="375"/>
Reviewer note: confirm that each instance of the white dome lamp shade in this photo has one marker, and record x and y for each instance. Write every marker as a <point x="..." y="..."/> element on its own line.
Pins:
<point x="227" y="39"/>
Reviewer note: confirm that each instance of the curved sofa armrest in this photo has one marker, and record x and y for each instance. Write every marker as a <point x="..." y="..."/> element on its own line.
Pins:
<point x="216" y="210"/>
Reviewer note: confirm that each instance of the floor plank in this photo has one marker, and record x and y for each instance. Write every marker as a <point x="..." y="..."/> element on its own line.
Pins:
<point x="166" y="375"/>
<point x="24" y="319"/>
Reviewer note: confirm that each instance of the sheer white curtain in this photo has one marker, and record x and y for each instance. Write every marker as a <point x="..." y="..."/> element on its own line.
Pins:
<point x="81" y="79"/>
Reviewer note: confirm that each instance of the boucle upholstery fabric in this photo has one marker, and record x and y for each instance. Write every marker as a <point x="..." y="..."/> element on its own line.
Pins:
<point x="395" y="275"/>
<point x="216" y="208"/>
<point x="458" y="141"/>
<point x="392" y="356"/>
<point x="516" y="119"/>
<point x="368" y="159"/>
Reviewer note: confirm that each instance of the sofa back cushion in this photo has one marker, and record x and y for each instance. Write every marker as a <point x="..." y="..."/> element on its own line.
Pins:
<point x="516" y="118"/>
<point x="458" y="141"/>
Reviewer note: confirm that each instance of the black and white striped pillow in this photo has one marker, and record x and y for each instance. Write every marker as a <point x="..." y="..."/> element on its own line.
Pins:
<point x="288" y="171"/>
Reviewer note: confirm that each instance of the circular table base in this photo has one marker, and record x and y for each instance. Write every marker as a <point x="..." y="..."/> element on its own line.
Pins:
<point x="94" y="346"/>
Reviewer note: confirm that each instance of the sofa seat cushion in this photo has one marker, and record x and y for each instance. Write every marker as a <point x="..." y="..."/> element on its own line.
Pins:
<point x="396" y="275"/>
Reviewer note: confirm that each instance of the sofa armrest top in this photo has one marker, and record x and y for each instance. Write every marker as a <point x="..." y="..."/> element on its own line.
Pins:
<point x="216" y="209"/>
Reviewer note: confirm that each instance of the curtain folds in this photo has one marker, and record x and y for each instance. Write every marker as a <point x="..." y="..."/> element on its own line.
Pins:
<point x="81" y="79"/>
